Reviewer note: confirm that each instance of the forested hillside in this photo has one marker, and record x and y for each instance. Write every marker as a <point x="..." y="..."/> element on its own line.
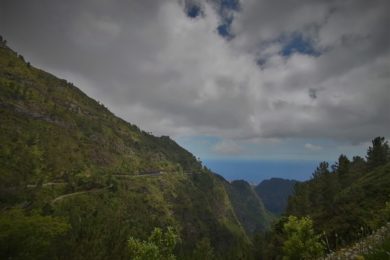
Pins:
<point x="77" y="182"/>
<point x="249" y="207"/>
<point x="274" y="193"/>
<point x="338" y="206"/>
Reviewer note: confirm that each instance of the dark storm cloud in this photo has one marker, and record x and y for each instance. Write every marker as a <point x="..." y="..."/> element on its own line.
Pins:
<point x="154" y="65"/>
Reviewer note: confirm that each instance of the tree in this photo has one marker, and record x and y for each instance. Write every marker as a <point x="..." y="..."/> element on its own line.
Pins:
<point x="142" y="250"/>
<point x="320" y="184"/>
<point x="30" y="236"/>
<point x="343" y="164"/>
<point x="378" y="154"/>
<point x="358" y="165"/>
<point x="343" y="170"/>
<point x="160" y="245"/>
<point x="301" y="241"/>
<point x="322" y="169"/>
<point x="3" y="42"/>
<point x="21" y="57"/>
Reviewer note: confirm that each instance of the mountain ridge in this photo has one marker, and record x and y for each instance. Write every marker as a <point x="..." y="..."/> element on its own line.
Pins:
<point x="51" y="132"/>
<point x="275" y="192"/>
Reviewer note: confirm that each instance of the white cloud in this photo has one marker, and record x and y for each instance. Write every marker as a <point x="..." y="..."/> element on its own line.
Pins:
<point x="154" y="66"/>
<point x="313" y="147"/>
<point x="227" y="147"/>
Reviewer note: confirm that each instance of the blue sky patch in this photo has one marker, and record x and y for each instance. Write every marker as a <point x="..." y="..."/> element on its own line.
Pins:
<point x="298" y="44"/>
<point x="193" y="11"/>
<point x="226" y="12"/>
<point x="230" y="5"/>
<point x="224" y="28"/>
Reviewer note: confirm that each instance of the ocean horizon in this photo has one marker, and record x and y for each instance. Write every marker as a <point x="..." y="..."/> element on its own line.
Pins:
<point x="255" y="171"/>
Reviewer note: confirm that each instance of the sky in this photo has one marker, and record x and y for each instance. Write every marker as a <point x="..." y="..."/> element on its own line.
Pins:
<point x="267" y="80"/>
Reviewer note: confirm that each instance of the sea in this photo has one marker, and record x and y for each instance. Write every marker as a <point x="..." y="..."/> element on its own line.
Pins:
<point x="255" y="171"/>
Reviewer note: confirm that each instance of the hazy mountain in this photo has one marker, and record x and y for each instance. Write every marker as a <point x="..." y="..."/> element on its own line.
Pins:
<point x="248" y="207"/>
<point x="274" y="193"/>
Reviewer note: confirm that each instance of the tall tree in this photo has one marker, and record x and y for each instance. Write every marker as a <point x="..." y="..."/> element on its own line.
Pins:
<point x="342" y="170"/>
<point x="378" y="153"/>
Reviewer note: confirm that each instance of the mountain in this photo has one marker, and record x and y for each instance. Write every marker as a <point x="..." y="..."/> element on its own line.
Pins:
<point x="76" y="181"/>
<point x="274" y="193"/>
<point x="248" y="207"/>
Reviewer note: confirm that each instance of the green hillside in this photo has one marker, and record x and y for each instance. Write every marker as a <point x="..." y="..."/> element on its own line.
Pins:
<point x="248" y="207"/>
<point x="349" y="212"/>
<point x="274" y="193"/>
<point x="76" y="182"/>
<point x="339" y="206"/>
<point x="59" y="132"/>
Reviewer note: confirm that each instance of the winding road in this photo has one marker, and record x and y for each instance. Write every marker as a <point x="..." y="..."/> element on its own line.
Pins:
<point x="102" y="189"/>
<point x="78" y="193"/>
<point x="46" y="184"/>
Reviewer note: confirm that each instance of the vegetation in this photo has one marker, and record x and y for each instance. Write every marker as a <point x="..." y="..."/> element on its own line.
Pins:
<point x="160" y="246"/>
<point x="67" y="173"/>
<point x="203" y="250"/>
<point x="77" y="182"/>
<point x="346" y="202"/>
<point x="373" y="246"/>
<point x="301" y="242"/>
<point x="248" y="207"/>
<point x="274" y="193"/>
<point x="380" y="252"/>
<point x="28" y="235"/>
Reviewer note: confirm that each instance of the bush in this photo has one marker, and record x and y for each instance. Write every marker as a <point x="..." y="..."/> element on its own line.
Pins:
<point x="301" y="242"/>
<point x="30" y="236"/>
<point x="159" y="246"/>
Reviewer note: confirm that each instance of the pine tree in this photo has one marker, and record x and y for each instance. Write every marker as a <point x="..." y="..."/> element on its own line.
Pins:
<point x="378" y="154"/>
<point x="342" y="170"/>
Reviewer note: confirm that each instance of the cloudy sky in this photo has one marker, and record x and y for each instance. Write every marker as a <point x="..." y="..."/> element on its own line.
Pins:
<point x="250" y="79"/>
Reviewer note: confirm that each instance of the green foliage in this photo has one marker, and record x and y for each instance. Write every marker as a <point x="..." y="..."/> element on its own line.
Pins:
<point x="204" y="216"/>
<point x="383" y="215"/>
<point x="379" y="153"/>
<point x="380" y="252"/>
<point x="142" y="250"/>
<point x="386" y="212"/>
<point x="347" y="201"/>
<point x="30" y="236"/>
<point x="271" y="244"/>
<point x="59" y="131"/>
<point x="274" y="193"/>
<point x="301" y="241"/>
<point x="248" y="207"/>
<point x="342" y="170"/>
<point x="203" y="250"/>
<point x="160" y="245"/>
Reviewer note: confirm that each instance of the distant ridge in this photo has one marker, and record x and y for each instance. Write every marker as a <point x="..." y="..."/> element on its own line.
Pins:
<point x="275" y="192"/>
